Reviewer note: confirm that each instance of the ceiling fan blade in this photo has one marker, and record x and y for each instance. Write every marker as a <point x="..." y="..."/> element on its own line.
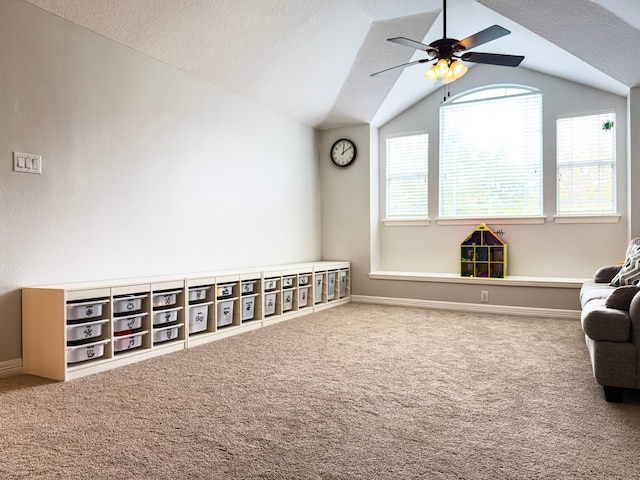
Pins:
<point x="407" y="42"/>
<point x="415" y="62"/>
<point x="493" y="59"/>
<point x="484" y="36"/>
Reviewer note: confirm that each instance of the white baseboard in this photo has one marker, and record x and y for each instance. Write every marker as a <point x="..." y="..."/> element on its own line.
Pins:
<point x="10" y="368"/>
<point x="469" y="307"/>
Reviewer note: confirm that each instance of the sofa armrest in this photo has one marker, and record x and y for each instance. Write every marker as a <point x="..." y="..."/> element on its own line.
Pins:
<point x="602" y="323"/>
<point x="605" y="274"/>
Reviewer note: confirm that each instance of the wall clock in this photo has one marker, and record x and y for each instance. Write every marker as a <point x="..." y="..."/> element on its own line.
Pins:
<point x="343" y="152"/>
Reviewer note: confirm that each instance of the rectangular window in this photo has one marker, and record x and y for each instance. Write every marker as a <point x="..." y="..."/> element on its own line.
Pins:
<point x="407" y="180"/>
<point x="586" y="163"/>
<point x="491" y="155"/>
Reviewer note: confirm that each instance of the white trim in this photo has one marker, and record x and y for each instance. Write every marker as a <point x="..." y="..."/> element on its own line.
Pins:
<point x="469" y="307"/>
<point x="586" y="218"/>
<point x="496" y="220"/>
<point x="10" y="368"/>
<point x="406" y="222"/>
<point x="510" y="281"/>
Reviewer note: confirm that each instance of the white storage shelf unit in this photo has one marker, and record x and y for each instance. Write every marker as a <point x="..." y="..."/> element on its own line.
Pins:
<point x="73" y="330"/>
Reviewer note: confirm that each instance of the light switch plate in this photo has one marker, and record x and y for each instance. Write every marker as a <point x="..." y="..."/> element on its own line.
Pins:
<point x="27" y="162"/>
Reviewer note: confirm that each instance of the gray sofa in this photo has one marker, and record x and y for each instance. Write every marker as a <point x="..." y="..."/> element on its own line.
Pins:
<point x="610" y="319"/>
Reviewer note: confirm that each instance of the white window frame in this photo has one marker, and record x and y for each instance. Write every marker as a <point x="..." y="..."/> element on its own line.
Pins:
<point x="448" y="146"/>
<point x="420" y="174"/>
<point x="601" y="155"/>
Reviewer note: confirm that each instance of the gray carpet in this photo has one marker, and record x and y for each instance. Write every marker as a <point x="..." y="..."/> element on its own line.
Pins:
<point x="354" y="392"/>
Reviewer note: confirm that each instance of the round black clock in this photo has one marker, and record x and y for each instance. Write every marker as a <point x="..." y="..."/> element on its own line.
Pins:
<point x="343" y="152"/>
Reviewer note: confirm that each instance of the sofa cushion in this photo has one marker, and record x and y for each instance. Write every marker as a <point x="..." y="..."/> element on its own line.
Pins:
<point x="602" y="323"/>
<point x="621" y="297"/>
<point x="629" y="273"/>
<point x="591" y="290"/>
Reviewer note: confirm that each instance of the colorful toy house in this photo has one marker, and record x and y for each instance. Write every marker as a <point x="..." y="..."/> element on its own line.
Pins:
<point x="483" y="254"/>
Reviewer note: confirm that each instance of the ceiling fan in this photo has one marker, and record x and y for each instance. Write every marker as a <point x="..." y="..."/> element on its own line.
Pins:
<point x="448" y="51"/>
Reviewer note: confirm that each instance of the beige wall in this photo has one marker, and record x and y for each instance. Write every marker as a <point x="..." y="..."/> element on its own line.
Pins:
<point x="146" y="170"/>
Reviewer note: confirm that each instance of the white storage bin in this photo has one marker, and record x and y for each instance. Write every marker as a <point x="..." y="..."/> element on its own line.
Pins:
<point x="248" y="286"/>
<point x="225" y="313"/>
<point x="269" y="303"/>
<point x="128" y="303"/>
<point x="165" y="299"/>
<point x="343" y="283"/>
<point x="287" y="281"/>
<point x="270" y="283"/>
<point x="128" y="342"/>
<point x="303" y="279"/>
<point x="318" y="287"/>
<point x="86" y="352"/>
<point x="123" y="324"/>
<point x="198" y="317"/>
<point x="225" y="290"/>
<point x="166" y="333"/>
<point x="161" y="317"/>
<point x="331" y="285"/>
<point x="87" y="309"/>
<point x="248" y="306"/>
<point x="287" y="299"/>
<point x="303" y="296"/>
<point x="85" y="331"/>
<point x="197" y="294"/>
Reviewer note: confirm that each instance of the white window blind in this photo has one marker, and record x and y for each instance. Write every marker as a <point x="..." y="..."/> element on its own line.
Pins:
<point x="407" y="176"/>
<point x="491" y="154"/>
<point x="586" y="158"/>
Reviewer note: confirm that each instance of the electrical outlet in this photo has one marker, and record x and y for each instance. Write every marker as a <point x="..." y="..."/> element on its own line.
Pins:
<point x="484" y="296"/>
<point x="27" y="162"/>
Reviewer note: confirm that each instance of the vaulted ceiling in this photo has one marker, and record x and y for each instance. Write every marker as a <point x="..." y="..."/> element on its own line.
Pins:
<point x="311" y="60"/>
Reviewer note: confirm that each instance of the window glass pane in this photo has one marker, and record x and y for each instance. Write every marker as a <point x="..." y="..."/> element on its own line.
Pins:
<point x="585" y="156"/>
<point x="491" y="154"/>
<point x="407" y="193"/>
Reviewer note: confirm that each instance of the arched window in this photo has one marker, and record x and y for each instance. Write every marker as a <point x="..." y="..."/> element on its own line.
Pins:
<point x="491" y="153"/>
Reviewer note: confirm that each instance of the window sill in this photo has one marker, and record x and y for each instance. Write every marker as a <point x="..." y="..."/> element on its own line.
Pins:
<point x="586" y="218"/>
<point x="512" y="281"/>
<point x="406" y="222"/>
<point x="493" y="220"/>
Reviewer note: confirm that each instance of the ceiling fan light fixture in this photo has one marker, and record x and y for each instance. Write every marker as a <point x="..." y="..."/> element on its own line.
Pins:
<point x="458" y="69"/>
<point x="441" y="68"/>
<point x="431" y="74"/>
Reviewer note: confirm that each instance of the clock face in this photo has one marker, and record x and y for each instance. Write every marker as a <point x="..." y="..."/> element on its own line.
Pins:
<point x="343" y="152"/>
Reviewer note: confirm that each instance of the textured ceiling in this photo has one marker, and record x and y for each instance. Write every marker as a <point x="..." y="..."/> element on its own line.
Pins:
<point x="311" y="59"/>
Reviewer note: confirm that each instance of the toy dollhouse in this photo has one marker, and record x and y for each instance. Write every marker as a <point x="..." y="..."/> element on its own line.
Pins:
<point x="483" y="254"/>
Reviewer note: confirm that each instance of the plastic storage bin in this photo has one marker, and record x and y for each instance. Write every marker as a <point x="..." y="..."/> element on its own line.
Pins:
<point x="128" y="303"/>
<point x="287" y="281"/>
<point x="248" y="286"/>
<point x="128" y="342"/>
<point x="303" y="279"/>
<point x="248" y="306"/>
<point x="303" y="296"/>
<point x="198" y="294"/>
<point x="198" y="317"/>
<point x="127" y="323"/>
<point x="166" y="298"/>
<point x="161" y="317"/>
<point x="165" y="334"/>
<point x="225" y="290"/>
<point x="343" y="283"/>
<point x="269" y="303"/>
<point x="287" y="299"/>
<point x="85" y="309"/>
<point x="331" y="285"/>
<point x="317" y="293"/>
<point x="270" y="283"/>
<point x="85" y="331"/>
<point x="86" y="352"/>
<point x="225" y="313"/>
